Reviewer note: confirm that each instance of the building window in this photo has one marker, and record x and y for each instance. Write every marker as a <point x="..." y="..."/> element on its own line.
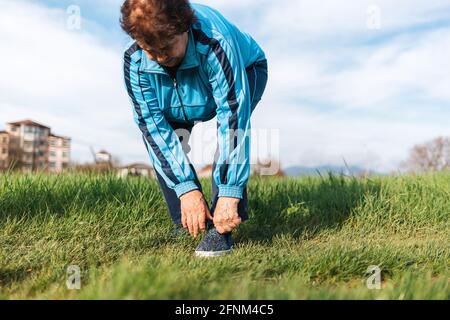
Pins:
<point x="64" y="154"/>
<point x="52" y="165"/>
<point x="4" y="151"/>
<point x="5" y="140"/>
<point x="53" y="154"/>
<point x="14" y="129"/>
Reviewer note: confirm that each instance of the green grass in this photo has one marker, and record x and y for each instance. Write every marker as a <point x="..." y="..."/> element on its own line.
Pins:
<point x="308" y="238"/>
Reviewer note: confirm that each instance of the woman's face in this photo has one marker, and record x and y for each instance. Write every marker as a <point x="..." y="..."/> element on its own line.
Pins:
<point x="171" y="54"/>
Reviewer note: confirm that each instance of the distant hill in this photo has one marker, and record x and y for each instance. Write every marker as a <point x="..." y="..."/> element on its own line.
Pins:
<point x="323" y="170"/>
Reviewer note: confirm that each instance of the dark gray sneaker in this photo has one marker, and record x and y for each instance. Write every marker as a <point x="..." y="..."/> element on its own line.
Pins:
<point x="214" y="244"/>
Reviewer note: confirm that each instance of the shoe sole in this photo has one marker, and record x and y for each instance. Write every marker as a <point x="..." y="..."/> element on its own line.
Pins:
<point x="211" y="254"/>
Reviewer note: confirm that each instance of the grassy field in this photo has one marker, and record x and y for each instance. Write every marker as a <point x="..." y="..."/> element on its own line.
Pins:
<point x="308" y="238"/>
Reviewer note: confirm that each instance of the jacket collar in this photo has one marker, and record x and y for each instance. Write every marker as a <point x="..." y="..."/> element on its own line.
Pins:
<point x="190" y="59"/>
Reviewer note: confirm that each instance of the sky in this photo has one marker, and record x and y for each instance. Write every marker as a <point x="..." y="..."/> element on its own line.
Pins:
<point x="356" y="81"/>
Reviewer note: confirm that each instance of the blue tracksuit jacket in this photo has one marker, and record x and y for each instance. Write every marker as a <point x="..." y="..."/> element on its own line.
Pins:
<point x="211" y="81"/>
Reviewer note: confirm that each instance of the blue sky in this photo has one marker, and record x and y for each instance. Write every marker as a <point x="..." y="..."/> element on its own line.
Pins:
<point x="339" y="88"/>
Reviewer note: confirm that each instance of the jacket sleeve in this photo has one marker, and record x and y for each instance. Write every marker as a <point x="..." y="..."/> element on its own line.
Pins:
<point x="162" y="143"/>
<point x="228" y="77"/>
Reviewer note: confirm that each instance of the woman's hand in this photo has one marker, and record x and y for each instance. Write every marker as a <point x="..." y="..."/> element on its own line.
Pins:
<point x="194" y="212"/>
<point x="226" y="217"/>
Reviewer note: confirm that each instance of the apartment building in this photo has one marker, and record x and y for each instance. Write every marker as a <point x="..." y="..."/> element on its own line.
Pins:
<point x="32" y="147"/>
<point x="28" y="144"/>
<point x="4" y="150"/>
<point x="58" y="153"/>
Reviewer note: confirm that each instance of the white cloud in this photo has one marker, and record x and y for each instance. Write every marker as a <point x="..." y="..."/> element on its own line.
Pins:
<point x="365" y="72"/>
<point x="416" y="63"/>
<point x="309" y="19"/>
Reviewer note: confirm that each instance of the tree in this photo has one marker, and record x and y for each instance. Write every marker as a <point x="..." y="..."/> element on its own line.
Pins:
<point x="431" y="156"/>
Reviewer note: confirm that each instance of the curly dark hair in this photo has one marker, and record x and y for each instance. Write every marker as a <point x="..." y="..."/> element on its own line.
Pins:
<point x="156" y="22"/>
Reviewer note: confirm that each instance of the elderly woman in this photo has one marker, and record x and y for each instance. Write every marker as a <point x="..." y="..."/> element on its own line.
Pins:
<point x="188" y="64"/>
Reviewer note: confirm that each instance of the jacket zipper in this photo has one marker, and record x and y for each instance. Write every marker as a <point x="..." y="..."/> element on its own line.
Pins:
<point x="175" y="83"/>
